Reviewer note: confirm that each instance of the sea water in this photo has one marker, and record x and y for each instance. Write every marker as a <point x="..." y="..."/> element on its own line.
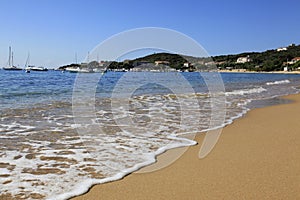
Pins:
<point x="51" y="148"/>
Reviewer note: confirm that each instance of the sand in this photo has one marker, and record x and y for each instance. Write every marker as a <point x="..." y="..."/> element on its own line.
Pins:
<point x="256" y="157"/>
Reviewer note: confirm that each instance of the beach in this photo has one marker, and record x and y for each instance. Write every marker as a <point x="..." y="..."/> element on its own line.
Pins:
<point x="46" y="152"/>
<point x="256" y="157"/>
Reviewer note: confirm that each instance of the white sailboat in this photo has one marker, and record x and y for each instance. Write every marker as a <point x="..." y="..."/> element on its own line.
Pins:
<point x="29" y="68"/>
<point x="10" y="65"/>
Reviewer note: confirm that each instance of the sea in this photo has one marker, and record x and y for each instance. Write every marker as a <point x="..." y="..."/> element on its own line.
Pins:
<point x="61" y="133"/>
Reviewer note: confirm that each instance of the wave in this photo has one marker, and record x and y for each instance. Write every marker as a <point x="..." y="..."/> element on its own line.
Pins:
<point x="278" y="82"/>
<point x="246" y="91"/>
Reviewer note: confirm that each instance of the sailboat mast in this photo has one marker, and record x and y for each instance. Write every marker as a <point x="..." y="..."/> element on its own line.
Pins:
<point x="27" y="60"/>
<point x="12" y="59"/>
<point x="9" y="56"/>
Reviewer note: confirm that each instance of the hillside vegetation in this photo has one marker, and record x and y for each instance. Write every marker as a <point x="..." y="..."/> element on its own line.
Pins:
<point x="270" y="60"/>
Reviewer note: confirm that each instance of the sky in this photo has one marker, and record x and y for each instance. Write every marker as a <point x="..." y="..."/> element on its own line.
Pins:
<point x="53" y="31"/>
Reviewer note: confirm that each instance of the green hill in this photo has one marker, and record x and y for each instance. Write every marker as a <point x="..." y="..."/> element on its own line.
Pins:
<point x="175" y="60"/>
<point x="270" y="60"/>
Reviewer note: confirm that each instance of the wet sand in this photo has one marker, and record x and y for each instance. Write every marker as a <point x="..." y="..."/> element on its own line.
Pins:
<point x="256" y="157"/>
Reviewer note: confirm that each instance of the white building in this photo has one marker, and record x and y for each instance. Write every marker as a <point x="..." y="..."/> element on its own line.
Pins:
<point x="282" y="49"/>
<point x="161" y="62"/>
<point x="187" y="64"/>
<point x="293" y="61"/>
<point x="296" y="59"/>
<point x="243" y="59"/>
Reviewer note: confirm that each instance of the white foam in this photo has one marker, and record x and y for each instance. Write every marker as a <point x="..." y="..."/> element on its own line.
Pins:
<point x="246" y="91"/>
<point x="278" y="82"/>
<point x="4" y="171"/>
<point x="149" y="157"/>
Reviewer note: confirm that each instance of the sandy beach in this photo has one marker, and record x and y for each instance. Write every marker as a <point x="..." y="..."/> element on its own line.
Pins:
<point x="256" y="157"/>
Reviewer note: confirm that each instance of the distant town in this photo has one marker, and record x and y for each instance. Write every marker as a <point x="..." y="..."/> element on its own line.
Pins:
<point x="279" y="59"/>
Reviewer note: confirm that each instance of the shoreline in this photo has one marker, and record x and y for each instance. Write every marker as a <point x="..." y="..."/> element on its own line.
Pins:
<point x="249" y="161"/>
<point x="255" y="72"/>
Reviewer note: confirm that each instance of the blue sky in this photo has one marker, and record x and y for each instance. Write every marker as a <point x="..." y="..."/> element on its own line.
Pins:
<point x="53" y="30"/>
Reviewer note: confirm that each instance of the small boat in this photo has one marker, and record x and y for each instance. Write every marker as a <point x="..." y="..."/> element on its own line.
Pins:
<point x="34" y="68"/>
<point x="78" y="70"/>
<point x="10" y="65"/>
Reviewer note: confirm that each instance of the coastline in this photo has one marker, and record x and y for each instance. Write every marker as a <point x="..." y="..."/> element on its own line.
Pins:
<point x="245" y="71"/>
<point x="256" y="157"/>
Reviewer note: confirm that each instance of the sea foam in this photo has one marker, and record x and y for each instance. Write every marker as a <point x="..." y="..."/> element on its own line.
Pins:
<point x="246" y="91"/>
<point x="278" y="82"/>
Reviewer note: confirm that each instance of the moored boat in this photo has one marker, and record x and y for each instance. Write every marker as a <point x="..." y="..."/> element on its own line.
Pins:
<point x="78" y="69"/>
<point x="34" y="68"/>
<point x="10" y="65"/>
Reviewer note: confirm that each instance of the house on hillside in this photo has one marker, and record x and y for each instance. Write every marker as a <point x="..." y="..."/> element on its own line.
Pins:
<point x="187" y="64"/>
<point x="281" y="49"/>
<point x="243" y="59"/>
<point x="293" y="61"/>
<point x="161" y="62"/>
